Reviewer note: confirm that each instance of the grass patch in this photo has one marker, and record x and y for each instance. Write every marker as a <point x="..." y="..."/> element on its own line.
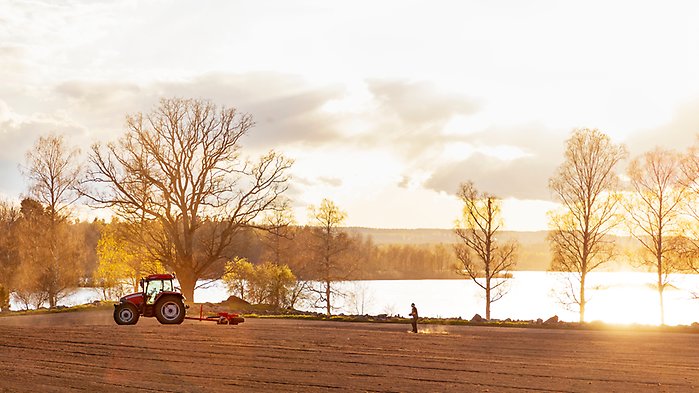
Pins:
<point x="78" y="308"/>
<point x="596" y="325"/>
<point x="265" y="312"/>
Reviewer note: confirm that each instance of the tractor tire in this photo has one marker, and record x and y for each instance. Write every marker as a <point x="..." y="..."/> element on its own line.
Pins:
<point x="126" y="314"/>
<point x="170" y="310"/>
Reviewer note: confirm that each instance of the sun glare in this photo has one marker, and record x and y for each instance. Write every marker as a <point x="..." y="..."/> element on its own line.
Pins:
<point x="630" y="298"/>
<point x="625" y="304"/>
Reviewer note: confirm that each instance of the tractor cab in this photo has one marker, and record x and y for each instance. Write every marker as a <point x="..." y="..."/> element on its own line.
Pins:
<point x="155" y="284"/>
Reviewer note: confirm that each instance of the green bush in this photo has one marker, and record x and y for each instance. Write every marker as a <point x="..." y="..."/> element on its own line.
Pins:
<point x="265" y="283"/>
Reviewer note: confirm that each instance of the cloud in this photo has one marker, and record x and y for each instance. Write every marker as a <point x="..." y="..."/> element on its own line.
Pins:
<point x="406" y="116"/>
<point x="96" y="94"/>
<point x="524" y="177"/>
<point x="285" y="108"/>
<point x="419" y="104"/>
<point x="330" y="181"/>
<point x="409" y="116"/>
<point x="101" y="106"/>
<point x="18" y="132"/>
<point x="681" y="132"/>
<point x="17" y="135"/>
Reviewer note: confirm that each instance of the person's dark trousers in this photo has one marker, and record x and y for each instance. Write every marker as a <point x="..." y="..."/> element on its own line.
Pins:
<point x="414" y="322"/>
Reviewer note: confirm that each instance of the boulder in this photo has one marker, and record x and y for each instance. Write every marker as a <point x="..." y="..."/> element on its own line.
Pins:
<point x="235" y="301"/>
<point x="551" y="321"/>
<point x="477" y="318"/>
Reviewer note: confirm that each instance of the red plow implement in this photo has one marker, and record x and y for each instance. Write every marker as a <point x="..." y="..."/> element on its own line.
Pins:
<point x="221" y="318"/>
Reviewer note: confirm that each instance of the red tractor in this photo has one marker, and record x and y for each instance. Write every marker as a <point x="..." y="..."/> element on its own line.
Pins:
<point x="159" y="298"/>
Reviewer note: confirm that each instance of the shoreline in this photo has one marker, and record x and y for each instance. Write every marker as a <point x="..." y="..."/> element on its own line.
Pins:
<point x="258" y="312"/>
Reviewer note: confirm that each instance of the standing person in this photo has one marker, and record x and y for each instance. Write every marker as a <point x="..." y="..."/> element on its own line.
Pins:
<point x="413" y="313"/>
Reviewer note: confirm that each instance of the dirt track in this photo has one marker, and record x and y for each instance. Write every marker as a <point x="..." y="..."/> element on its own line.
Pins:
<point x="87" y="352"/>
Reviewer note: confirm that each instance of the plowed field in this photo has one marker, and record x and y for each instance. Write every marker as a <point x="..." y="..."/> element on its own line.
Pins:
<point x="86" y="351"/>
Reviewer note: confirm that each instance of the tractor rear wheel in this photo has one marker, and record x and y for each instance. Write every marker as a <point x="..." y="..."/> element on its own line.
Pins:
<point x="170" y="310"/>
<point x="126" y="314"/>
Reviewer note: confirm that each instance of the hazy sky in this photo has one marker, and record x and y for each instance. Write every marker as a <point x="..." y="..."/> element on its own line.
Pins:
<point x="385" y="106"/>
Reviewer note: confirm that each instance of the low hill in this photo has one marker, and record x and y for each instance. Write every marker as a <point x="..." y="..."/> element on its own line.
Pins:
<point x="534" y="252"/>
<point x="436" y="236"/>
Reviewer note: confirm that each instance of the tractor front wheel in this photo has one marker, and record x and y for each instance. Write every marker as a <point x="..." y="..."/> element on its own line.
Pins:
<point x="125" y="314"/>
<point x="170" y="310"/>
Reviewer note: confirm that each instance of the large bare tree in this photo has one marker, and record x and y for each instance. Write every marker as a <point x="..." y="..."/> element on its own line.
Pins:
<point x="328" y="249"/>
<point x="483" y="258"/>
<point x="654" y="212"/>
<point x="180" y="167"/>
<point x="586" y="186"/>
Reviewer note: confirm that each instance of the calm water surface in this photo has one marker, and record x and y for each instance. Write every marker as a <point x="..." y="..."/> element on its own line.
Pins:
<point x="622" y="297"/>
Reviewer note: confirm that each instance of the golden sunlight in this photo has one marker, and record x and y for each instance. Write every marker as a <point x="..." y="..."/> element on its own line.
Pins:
<point x="632" y="298"/>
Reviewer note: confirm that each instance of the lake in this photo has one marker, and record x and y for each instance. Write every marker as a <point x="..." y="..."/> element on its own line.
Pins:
<point x="619" y="297"/>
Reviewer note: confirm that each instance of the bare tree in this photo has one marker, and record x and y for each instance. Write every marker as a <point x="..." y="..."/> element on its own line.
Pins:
<point x="360" y="298"/>
<point x="654" y="212"/>
<point x="328" y="249"/>
<point x="53" y="171"/>
<point x="279" y="234"/>
<point x="180" y="166"/>
<point x="483" y="258"/>
<point x="585" y="184"/>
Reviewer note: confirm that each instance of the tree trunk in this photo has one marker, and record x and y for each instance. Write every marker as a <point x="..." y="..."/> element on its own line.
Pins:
<point x="487" y="301"/>
<point x="582" y="298"/>
<point x="4" y="299"/>
<point x="660" y="295"/>
<point x="327" y="297"/>
<point x="187" y="282"/>
<point x="53" y="299"/>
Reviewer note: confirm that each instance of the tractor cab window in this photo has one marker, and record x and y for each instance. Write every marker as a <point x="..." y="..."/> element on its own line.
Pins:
<point x="155" y="287"/>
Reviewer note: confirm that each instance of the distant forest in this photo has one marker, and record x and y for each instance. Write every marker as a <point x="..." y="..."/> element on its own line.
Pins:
<point x="377" y="253"/>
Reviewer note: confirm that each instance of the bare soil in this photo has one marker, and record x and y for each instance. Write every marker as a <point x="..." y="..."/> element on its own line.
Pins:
<point x="86" y="351"/>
